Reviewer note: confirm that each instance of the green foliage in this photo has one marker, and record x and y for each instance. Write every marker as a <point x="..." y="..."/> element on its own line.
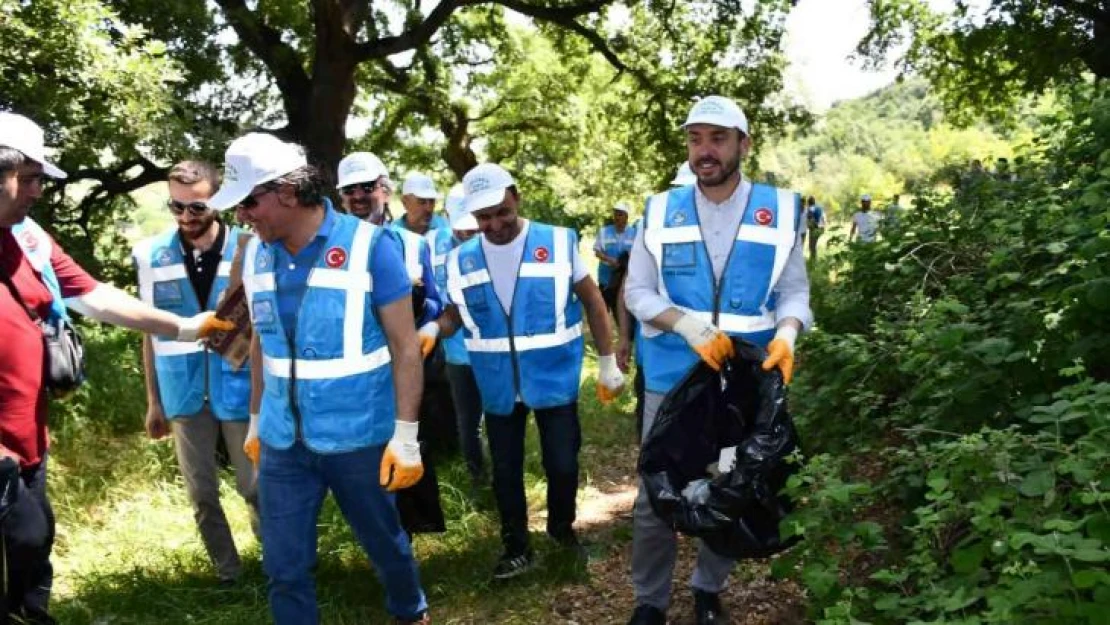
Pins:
<point x="957" y="393"/>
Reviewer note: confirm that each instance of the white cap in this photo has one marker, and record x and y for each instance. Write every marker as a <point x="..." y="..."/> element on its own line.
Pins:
<point x="420" y="185"/>
<point x="684" y="176"/>
<point x="866" y="197"/>
<point x="484" y="186"/>
<point x="19" y="133"/>
<point x="717" y="110"/>
<point x="251" y="160"/>
<point x="460" y="218"/>
<point x="621" y="207"/>
<point x="359" y="167"/>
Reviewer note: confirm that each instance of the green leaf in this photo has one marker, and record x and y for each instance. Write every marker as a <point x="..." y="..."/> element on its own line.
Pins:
<point x="1088" y="578"/>
<point x="1037" y="483"/>
<point x="967" y="560"/>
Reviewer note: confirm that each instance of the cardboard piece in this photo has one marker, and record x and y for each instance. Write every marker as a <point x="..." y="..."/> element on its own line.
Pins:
<point x="234" y="345"/>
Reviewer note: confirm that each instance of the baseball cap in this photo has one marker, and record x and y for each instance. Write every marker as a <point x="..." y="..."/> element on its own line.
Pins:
<point x="484" y="186"/>
<point x="866" y="197"/>
<point x="420" y="185"/>
<point x="621" y="207"/>
<point x="20" y="133"/>
<point x="684" y="176"/>
<point x="359" y="167"/>
<point x="717" y="110"/>
<point x="460" y="218"/>
<point x="251" y="160"/>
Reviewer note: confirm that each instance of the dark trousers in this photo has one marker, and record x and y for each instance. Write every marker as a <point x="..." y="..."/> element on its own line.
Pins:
<point x="27" y="538"/>
<point x="468" y="412"/>
<point x="638" y="387"/>
<point x="560" y="440"/>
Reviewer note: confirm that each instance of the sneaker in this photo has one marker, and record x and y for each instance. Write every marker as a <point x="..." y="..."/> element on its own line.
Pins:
<point x="512" y="566"/>
<point x="707" y="608"/>
<point x="648" y="615"/>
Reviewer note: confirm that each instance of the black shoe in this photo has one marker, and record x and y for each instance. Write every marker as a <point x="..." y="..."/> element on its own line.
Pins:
<point x="648" y="615"/>
<point x="511" y="566"/>
<point x="707" y="608"/>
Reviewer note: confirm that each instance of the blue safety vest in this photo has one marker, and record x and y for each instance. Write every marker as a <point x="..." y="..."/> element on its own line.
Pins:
<point x="613" y="244"/>
<point x="188" y="373"/>
<point x="442" y="241"/>
<point x="331" y="384"/>
<point x="37" y="246"/>
<point x="742" y="303"/>
<point x="534" y="351"/>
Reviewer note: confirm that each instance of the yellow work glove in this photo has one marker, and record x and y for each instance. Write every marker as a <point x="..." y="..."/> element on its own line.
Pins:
<point x="200" y="326"/>
<point x="780" y="352"/>
<point x="714" y="346"/>
<point x="610" y="380"/>
<point x="251" y="446"/>
<point x="428" y="333"/>
<point x="401" y="464"/>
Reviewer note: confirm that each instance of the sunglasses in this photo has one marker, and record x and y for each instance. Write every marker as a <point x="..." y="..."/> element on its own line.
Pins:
<point x="251" y="201"/>
<point x="366" y="187"/>
<point x="179" y="208"/>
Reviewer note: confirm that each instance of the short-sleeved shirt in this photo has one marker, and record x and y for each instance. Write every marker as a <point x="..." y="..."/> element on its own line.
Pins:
<point x="866" y="225"/>
<point x="503" y="262"/>
<point x="23" y="401"/>
<point x="387" y="270"/>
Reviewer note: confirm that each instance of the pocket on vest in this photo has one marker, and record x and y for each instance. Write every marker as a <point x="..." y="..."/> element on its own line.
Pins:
<point x="679" y="258"/>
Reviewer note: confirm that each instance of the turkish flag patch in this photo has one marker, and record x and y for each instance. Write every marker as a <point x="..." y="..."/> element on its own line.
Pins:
<point x="764" y="216"/>
<point x="541" y="254"/>
<point x="335" y="257"/>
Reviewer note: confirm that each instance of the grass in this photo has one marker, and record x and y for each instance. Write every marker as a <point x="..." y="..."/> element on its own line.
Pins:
<point x="128" y="552"/>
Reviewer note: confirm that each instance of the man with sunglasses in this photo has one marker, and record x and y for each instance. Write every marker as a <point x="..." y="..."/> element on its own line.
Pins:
<point x="37" y="281"/>
<point x="336" y="375"/>
<point x="189" y="387"/>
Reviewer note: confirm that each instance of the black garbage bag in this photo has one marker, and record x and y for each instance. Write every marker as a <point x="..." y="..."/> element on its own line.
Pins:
<point x="418" y="505"/>
<point x="736" y="512"/>
<point x="9" y="485"/>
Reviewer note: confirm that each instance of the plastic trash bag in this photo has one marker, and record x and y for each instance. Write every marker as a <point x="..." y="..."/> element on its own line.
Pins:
<point x="735" y="509"/>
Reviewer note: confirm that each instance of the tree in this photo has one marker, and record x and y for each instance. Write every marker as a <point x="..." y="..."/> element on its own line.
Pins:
<point x="985" y="60"/>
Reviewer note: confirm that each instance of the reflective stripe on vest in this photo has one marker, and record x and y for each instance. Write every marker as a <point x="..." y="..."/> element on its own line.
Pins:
<point x="412" y="242"/>
<point x="37" y="247"/>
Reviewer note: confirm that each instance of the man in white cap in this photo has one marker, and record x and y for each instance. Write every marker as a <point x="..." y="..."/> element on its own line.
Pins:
<point x="715" y="260"/>
<point x="864" y="222"/>
<point x="186" y="270"/>
<point x="613" y="241"/>
<point x="466" y="399"/>
<point x="336" y="375"/>
<point x="517" y="291"/>
<point x="418" y="197"/>
<point x="36" y="278"/>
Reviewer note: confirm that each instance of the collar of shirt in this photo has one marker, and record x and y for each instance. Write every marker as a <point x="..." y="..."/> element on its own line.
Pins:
<point x="217" y="245"/>
<point x="321" y="235"/>
<point x="738" y="199"/>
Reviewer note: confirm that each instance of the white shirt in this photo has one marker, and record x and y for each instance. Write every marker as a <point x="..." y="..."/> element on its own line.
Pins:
<point x="866" y="225"/>
<point x="719" y="225"/>
<point x="503" y="262"/>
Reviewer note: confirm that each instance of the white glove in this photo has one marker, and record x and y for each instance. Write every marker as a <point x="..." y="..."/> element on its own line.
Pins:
<point x="713" y="346"/>
<point x="200" y="326"/>
<point x="401" y="465"/>
<point x="428" y="333"/>
<point x="610" y="380"/>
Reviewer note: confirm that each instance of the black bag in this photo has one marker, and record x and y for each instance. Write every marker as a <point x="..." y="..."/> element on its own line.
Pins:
<point x="63" y="350"/>
<point x="9" y="485"/>
<point x="736" y="512"/>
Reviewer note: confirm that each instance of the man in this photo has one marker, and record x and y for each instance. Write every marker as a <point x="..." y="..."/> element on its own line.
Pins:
<point x="815" y="225"/>
<point x="515" y="292"/>
<point x="892" y="215"/>
<point x="336" y="377"/>
<point x="715" y="260"/>
<point x="185" y="270"/>
<point x="613" y="241"/>
<point x="864" y="222"/>
<point x="465" y="396"/>
<point x="418" y="198"/>
<point x="35" y="276"/>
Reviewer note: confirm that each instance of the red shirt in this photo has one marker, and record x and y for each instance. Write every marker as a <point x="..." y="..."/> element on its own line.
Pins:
<point x="23" y="401"/>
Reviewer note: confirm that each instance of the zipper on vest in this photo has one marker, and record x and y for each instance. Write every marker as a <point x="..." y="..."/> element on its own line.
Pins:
<point x="509" y="315"/>
<point x="715" y="282"/>
<point x="293" y="407"/>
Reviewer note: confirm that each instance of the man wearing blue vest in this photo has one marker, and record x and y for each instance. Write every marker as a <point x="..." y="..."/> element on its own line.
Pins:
<point x="613" y="241"/>
<point x="465" y="396"/>
<point x="718" y="259"/>
<point x="418" y="198"/>
<point x="185" y="270"/>
<point x="517" y="291"/>
<point x="336" y="375"/>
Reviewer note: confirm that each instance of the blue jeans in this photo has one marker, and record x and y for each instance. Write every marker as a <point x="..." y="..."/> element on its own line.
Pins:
<point x="560" y="440"/>
<point x="468" y="411"/>
<point x="292" y="484"/>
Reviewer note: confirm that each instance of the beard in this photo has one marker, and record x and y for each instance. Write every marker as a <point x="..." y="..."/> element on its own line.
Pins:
<point x="195" y="229"/>
<point x="727" y="169"/>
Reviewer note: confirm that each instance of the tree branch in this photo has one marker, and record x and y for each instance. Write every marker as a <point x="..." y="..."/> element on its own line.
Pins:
<point x="412" y="38"/>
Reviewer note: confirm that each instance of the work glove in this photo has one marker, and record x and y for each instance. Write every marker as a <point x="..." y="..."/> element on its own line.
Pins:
<point x="251" y="446"/>
<point x="780" y="352"/>
<point x="610" y="380"/>
<point x="428" y="333"/>
<point x="714" y="346"/>
<point x="201" y="326"/>
<point x="401" y="465"/>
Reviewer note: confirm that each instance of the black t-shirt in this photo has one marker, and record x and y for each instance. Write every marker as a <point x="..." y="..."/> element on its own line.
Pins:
<point x="202" y="266"/>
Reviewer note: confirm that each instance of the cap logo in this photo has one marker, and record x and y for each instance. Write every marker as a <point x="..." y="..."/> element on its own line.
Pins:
<point x="710" y="106"/>
<point x="541" y="254"/>
<point x="764" y="216"/>
<point x="335" y="257"/>
<point x="352" y="166"/>
<point x="231" y="174"/>
<point x="478" y="184"/>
